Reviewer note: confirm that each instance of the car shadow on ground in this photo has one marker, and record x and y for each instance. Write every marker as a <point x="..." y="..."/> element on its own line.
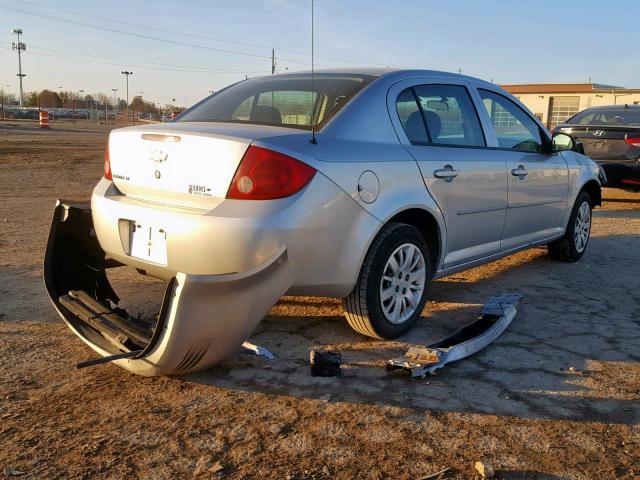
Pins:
<point x="621" y="200"/>
<point x="568" y="354"/>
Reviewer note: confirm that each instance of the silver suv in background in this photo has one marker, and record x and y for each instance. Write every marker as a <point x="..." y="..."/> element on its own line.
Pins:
<point x="361" y="184"/>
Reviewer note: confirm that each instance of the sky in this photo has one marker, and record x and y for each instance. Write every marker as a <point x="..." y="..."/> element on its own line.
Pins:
<point x="182" y="50"/>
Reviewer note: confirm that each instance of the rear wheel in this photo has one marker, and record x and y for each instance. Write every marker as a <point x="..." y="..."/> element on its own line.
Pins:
<point x="391" y="290"/>
<point x="573" y="244"/>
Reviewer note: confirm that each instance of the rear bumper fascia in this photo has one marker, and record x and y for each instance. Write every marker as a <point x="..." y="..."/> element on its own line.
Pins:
<point x="203" y="318"/>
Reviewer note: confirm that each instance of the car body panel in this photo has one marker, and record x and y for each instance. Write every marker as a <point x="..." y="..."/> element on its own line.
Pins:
<point x="538" y="201"/>
<point x="475" y="200"/>
<point x="237" y="235"/>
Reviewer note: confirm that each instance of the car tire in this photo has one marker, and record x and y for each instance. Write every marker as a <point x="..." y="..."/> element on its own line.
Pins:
<point x="387" y="301"/>
<point x="573" y="244"/>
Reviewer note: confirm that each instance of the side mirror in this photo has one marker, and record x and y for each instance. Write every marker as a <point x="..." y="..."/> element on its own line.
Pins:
<point x="562" y="142"/>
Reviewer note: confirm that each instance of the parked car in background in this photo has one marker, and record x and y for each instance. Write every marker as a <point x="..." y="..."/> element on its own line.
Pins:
<point x="611" y="137"/>
<point x="361" y="184"/>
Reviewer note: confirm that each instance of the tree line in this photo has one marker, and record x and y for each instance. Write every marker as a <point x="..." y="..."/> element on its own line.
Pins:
<point x="47" y="99"/>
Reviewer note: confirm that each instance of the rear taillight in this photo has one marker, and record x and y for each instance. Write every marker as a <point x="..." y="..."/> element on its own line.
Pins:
<point x="265" y="175"/>
<point x="633" y="141"/>
<point x="107" y="164"/>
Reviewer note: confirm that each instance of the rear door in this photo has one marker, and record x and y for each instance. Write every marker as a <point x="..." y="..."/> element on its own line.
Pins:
<point x="467" y="180"/>
<point x="538" y="181"/>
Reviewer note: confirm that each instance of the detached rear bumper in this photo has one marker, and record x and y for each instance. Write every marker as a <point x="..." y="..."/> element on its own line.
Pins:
<point x="203" y="318"/>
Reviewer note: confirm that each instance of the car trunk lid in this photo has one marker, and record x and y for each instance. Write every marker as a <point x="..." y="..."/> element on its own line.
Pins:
<point x="606" y="143"/>
<point x="180" y="164"/>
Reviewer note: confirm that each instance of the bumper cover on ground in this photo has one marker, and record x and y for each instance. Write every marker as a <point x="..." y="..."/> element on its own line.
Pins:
<point x="203" y="319"/>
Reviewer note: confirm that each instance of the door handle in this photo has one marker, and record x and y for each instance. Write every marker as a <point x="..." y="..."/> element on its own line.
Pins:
<point x="519" y="172"/>
<point x="448" y="173"/>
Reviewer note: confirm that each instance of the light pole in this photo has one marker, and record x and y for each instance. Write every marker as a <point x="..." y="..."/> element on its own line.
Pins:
<point x="2" y="100"/>
<point x="59" y="101"/>
<point x="20" y="47"/>
<point x="144" y="107"/>
<point x="80" y="92"/>
<point x="127" y="74"/>
<point x="115" y="103"/>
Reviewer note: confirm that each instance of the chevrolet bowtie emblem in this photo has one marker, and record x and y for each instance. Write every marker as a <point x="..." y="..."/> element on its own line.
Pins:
<point x="158" y="156"/>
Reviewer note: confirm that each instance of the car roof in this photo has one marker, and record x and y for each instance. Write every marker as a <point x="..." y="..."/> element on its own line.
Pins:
<point x="391" y="73"/>
<point x="612" y="107"/>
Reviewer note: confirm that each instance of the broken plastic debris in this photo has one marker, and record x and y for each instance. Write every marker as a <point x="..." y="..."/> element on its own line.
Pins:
<point x="496" y="315"/>
<point x="324" y="363"/>
<point x="12" y="472"/>
<point x="485" y="470"/>
<point x="258" y="350"/>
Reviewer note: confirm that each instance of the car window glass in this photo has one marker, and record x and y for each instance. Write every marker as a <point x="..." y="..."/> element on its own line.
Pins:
<point x="411" y="118"/>
<point x="286" y="100"/>
<point x="586" y="119"/>
<point x="513" y="127"/>
<point x="294" y="108"/>
<point x="243" y="111"/>
<point x="450" y="115"/>
<point x="608" y="117"/>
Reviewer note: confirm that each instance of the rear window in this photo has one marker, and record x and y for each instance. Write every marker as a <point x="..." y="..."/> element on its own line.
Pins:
<point x="607" y="117"/>
<point x="295" y="101"/>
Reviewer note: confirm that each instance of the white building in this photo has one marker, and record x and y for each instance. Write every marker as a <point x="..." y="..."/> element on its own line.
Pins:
<point x="553" y="103"/>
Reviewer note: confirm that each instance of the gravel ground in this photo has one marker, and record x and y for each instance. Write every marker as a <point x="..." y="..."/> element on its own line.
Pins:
<point x="556" y="396"/>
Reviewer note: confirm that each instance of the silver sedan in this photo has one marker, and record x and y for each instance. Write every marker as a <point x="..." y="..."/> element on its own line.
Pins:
<point x="360" y="184"/>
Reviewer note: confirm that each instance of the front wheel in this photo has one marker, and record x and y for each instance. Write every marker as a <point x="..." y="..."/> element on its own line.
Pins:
<point x="391" y="290"/>
<point x="573" y="244"/>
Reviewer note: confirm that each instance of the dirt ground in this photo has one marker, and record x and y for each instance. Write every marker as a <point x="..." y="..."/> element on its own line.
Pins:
<point x="556" y="396"/>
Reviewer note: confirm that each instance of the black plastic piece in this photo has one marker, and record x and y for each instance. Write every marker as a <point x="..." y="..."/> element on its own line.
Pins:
<point x="325" y="364"/>
<point x="107" y="359"/>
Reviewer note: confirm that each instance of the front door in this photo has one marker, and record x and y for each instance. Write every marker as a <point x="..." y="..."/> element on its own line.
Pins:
<point x="467" y="180"/>
<point x="538" y="181"/>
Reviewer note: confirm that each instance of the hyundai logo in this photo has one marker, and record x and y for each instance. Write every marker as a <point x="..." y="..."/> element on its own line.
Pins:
<point x="598" y="133"/>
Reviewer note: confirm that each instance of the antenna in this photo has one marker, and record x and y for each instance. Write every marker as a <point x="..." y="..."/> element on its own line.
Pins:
<point x="313" y="86"/>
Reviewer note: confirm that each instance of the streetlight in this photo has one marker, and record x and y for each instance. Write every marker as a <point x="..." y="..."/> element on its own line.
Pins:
<point x="115" y="102"/>
<point x="144" y="107"/>
<point x="80" y="92"/>
<point x="2" y="100"/>
<point x="127" y="74"/>
<point x="59" y="101"/>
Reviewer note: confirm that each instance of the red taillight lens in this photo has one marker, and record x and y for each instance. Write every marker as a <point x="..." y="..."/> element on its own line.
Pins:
<point x="107" y="164"/>
<point x="633" y="141"/>
<point x="265" y="175"/>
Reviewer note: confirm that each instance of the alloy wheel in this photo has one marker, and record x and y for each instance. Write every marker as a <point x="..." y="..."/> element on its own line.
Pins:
<point x="582" y="227"/>
<point x="402" y="284"/>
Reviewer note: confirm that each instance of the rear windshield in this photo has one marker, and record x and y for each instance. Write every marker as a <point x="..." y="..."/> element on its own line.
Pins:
<point x="607" y="117"/>
<point x="290" y="100"/>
